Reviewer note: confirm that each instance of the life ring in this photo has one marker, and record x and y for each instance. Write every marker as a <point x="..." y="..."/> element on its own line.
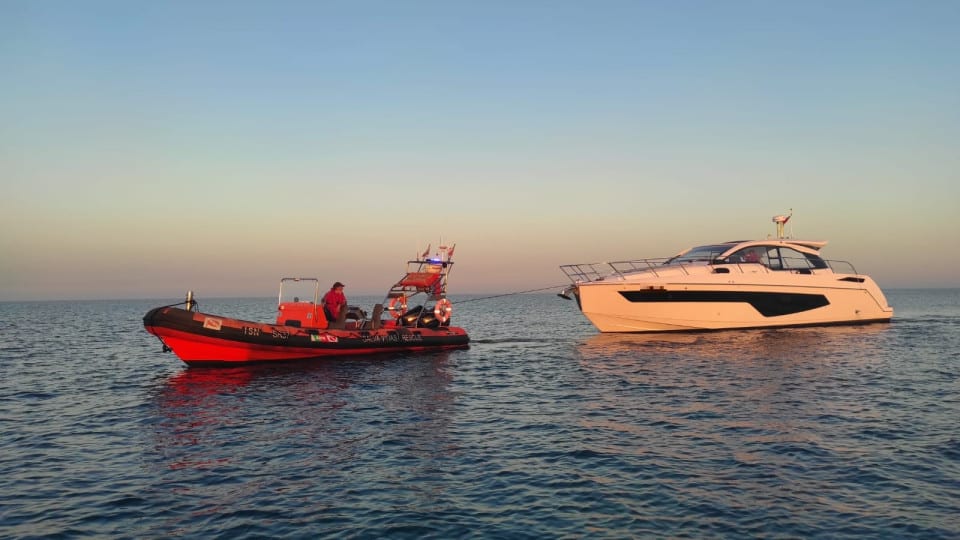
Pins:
<point x="442" y="310"/>
<point x="398" y="306"/>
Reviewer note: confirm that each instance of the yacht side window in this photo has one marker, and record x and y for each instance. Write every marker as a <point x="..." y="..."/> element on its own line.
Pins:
<point x="795" y="260"/>
<point x="816" y="262"/>
<point x="749" y="255"/>
<point x="701" y="254"/>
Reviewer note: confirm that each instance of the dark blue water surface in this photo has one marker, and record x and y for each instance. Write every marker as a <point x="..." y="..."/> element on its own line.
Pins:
<point x="542" y="429"/>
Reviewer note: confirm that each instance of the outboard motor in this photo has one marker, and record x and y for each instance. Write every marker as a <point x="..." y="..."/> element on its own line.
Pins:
<point x="410" y="317"/>
<point x="428" y="320"/>
<point x="417" y="317"/>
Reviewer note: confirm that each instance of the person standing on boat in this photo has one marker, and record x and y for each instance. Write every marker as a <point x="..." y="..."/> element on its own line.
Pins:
<point x="334" y="301"/>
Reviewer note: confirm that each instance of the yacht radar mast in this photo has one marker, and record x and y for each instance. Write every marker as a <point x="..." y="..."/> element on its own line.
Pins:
<point x="781" y="221"/>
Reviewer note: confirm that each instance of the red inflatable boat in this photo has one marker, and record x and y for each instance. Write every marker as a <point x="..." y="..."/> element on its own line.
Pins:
<point x="302" y="331"/>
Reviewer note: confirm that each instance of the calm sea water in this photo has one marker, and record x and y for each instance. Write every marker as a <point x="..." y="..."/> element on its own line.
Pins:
<point x="543" y="429"/>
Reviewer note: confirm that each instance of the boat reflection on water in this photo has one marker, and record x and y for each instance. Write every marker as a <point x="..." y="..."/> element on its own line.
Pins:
<point x="738" y="345"/>
<point x="304" y="414"/>
<point x="191" y="384"/>
<point x="756" y="397"/>
<point x="198" y="407"/>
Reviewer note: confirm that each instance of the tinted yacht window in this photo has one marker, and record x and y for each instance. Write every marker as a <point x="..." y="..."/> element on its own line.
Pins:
<point x="795" y="260"/>
<point x="816" y="261"/>
<point x="700" y="254"/>
<point x="756" y="254"/>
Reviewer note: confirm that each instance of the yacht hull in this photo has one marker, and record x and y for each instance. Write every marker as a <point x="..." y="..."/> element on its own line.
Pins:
<point x="700" y="306"/>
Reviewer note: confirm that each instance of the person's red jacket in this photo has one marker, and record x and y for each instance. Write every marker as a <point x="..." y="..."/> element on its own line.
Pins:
<point x="333" y="301"/>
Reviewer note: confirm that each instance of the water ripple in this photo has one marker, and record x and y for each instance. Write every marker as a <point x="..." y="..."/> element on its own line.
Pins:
<point x="536" y="431"/>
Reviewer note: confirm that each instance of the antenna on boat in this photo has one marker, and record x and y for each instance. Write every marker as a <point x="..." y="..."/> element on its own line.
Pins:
<point x="781" y="221"/>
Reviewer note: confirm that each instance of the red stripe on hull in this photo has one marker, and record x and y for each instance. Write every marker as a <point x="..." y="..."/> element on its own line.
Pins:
<point x="196" y="350"/>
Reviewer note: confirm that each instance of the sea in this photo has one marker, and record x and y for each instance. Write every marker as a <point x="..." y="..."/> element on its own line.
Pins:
<point x="543" y="428"/>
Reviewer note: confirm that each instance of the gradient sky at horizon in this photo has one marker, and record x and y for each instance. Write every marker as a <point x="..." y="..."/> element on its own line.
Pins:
<point x="147" y="148"/>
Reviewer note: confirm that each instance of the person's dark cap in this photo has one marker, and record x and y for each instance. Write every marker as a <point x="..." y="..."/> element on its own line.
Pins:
<point x="337" y="284"/>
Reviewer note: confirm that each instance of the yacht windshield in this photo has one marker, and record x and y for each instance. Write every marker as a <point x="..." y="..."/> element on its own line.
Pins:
<point x="700" y="254"/>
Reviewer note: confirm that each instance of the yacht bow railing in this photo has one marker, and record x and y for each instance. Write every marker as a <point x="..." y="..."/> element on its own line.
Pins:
<point x="583" y="272"/>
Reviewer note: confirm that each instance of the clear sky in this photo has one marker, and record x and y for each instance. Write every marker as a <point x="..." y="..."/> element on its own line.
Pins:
<point x="147" y="148"/>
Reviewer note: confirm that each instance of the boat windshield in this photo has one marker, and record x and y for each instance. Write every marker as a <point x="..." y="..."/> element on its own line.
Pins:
<point x="700" y="254"/>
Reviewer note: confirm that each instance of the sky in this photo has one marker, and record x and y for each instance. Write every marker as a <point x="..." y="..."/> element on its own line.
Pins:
<point x="150" y="148"/>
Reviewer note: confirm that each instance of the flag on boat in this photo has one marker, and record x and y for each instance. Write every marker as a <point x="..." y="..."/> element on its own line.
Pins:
<point x="450" y="251"/>
<point x="426" y="252"/>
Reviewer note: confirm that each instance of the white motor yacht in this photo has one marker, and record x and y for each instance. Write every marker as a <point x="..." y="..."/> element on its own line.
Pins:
<point x="777" y="282"/>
